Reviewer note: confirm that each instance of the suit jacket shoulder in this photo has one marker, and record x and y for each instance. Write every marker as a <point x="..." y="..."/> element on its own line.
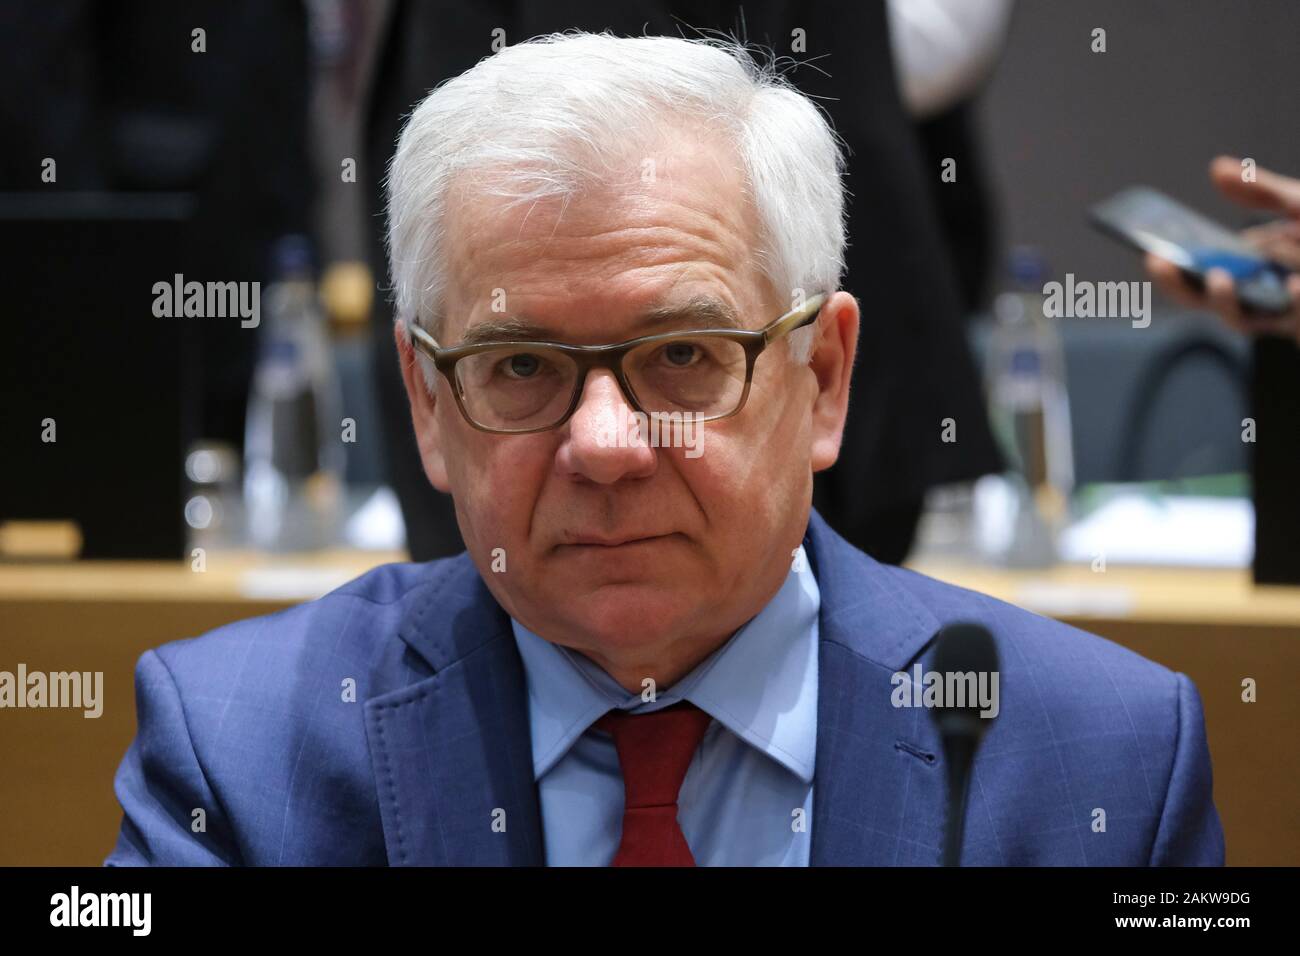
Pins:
<point x="256" y="729"/>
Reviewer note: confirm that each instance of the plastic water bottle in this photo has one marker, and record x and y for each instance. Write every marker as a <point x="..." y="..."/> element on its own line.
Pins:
<point x="292" y="444"/>
<point x="1031" y="414"/>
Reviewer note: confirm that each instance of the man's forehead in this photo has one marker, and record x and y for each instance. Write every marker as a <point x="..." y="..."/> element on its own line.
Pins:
<point x="480" y="221"/>
<point x="633" y="278"/>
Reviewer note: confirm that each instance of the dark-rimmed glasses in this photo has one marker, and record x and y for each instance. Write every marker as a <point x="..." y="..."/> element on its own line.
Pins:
<point x="516" y="388"/>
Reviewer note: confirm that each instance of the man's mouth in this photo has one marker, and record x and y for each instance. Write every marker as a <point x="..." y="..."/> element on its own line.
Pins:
<point x="612" y="541"/>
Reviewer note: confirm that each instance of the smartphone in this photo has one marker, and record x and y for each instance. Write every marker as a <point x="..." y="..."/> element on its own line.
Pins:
<point x="1148" y="220"/>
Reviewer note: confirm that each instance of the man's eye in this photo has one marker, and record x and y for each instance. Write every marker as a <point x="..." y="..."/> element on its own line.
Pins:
<point x="520" y="366"/>
<point x="681" y="354"/>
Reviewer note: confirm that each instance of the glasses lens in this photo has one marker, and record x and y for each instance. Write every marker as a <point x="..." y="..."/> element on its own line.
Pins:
<point x="514" y="388"/>
<point x="704" y="374"/>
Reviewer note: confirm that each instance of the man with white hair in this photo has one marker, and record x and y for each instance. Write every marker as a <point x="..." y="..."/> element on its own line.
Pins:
<point x="646" y="656"/>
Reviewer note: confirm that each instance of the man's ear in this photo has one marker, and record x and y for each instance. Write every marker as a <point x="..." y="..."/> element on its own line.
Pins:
<point x="424" y="407"/>
<point x="832" y="364"/>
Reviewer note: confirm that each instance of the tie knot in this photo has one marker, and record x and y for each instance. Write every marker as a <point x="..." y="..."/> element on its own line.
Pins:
<point x="655" y="750"/>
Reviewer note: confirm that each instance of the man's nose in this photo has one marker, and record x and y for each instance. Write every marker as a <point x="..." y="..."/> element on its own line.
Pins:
<point x="603" y="443"/>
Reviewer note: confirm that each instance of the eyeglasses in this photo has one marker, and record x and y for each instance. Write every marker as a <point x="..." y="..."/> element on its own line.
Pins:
<point x="516" y="388"/>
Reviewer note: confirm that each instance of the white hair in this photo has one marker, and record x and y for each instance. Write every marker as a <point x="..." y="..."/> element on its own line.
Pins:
<point x="540" y="119"/>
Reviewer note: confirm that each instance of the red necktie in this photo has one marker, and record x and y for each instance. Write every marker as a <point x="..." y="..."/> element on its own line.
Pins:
<point x="654" y="751"/>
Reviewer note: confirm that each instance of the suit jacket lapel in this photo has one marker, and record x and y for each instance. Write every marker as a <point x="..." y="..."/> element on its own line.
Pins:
<point x="879" y="787"/>
<point x="451" y="753"/>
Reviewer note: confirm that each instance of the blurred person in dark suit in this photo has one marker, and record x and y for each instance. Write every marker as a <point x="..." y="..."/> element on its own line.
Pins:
<point x="914" y="368"/>
<point x="944" y="52"/>
<point x="123" y="100"/>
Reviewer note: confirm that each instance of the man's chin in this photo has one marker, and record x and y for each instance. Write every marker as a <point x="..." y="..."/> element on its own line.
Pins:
<point x="630" y="615"/>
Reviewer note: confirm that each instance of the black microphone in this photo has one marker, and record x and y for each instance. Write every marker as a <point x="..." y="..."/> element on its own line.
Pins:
<point x="966" y="660"/>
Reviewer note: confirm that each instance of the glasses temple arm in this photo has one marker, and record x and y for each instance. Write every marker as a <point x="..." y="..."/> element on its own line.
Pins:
<point x="423" y="339"/>
<point x="795" y="319"/>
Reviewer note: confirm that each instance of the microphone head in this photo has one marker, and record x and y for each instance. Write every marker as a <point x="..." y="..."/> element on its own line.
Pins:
<point x="965" y="668"/>
<point x="966" y="661"/>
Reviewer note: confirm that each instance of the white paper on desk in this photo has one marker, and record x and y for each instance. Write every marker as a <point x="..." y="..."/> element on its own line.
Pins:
<point x="1175" y="529"/>
<point x="292" y="583"/>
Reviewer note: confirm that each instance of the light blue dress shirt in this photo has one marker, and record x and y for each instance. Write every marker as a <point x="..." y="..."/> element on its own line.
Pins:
<point x="747" y="797"/>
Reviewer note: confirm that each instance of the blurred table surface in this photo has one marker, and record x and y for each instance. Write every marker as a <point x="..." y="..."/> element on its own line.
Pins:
<point x="237" y="577"/>
<point x="1212" y="624"/>
<point x="1150" y="595"/>
<point x="1153" y="595"/>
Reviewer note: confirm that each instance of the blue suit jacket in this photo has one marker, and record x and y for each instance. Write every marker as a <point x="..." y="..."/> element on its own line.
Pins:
<point x="253" y="725"/>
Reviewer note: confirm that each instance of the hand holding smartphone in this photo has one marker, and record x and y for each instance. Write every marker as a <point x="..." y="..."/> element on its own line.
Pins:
<point x="1150" y="221"/>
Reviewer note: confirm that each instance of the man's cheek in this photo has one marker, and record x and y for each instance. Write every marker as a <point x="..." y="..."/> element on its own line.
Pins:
<point x="716" y="476"/>
<point x="499" y="511"/>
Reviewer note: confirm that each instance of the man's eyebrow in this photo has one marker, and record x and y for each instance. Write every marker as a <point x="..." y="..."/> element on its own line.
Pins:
<point x="701" y="311"/>
<point x="698" y="312"/>
<point x="504" y="330"/>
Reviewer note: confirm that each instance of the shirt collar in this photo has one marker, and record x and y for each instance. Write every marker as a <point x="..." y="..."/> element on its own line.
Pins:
<point x="761" y="684"/>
